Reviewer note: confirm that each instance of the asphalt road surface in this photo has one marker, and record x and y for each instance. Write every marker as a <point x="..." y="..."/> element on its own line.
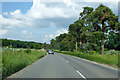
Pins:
<point x="65" y="66"/>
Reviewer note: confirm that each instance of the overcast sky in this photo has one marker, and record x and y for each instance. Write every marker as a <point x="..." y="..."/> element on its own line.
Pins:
<point x="42" y="21"/>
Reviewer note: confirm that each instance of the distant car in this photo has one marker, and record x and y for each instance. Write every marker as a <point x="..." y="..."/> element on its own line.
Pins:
<point x="50" y="52"/>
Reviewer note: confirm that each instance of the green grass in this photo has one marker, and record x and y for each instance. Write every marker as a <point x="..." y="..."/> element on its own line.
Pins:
<point x="13" y="61"/>
<point x="109" y="59"/>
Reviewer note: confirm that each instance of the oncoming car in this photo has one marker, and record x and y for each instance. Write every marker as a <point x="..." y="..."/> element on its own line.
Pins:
<point x="50" y="52"/>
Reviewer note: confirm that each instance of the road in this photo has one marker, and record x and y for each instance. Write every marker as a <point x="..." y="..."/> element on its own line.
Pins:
<point x="65" y="66"/>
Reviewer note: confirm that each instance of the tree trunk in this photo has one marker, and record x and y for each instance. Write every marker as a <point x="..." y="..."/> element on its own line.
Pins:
<point x="102" y="46"/>
<point x="80" y="44"/>
<point x="102" y="51"/>
<point x="87" y="47"/>
<point x="76" y="45"/>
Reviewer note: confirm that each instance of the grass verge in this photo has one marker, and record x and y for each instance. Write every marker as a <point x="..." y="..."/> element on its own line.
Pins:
<point x="108" y="59"/>
<point x="15" y="60"/>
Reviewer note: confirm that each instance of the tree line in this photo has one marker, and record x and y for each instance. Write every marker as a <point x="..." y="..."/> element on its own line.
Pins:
<point x="96" y="29"/>
<point x="23" y="44"/>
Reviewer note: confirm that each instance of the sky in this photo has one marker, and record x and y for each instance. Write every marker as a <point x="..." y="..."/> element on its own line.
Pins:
<point x="42" y="21"/>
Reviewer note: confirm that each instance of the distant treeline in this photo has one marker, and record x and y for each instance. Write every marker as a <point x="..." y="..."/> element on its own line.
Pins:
<point x="23" y="44"/>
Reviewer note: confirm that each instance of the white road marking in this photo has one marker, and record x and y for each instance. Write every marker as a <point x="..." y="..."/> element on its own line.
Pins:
<point x="81" y="74"/>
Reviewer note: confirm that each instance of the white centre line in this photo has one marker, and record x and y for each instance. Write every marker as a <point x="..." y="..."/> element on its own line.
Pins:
<point x="81" y="74"/>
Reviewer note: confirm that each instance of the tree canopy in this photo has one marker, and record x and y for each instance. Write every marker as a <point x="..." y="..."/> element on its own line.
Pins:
<point x="94" y="29"/>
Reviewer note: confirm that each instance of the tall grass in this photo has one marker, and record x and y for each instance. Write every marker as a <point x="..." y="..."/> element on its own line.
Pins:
<point x="110" y="59"/>
<point x="14" y="60"/>
<point x="0" y="63"/>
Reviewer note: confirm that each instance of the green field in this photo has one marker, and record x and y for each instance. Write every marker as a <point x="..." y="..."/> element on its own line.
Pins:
<point x="15" y="60"/>
<point x="110" y="57"/>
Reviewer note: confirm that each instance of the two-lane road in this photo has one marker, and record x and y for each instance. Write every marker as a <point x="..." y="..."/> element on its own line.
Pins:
<point x="64" y="66"/>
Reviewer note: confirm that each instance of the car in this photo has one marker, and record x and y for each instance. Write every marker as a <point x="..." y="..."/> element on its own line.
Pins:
<point x="50" y="52"/>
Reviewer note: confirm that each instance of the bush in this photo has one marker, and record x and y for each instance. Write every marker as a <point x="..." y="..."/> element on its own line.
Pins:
<point x="112" y="52"/>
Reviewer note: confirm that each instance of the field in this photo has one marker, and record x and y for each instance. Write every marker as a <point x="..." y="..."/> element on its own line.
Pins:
<point x="14" y="60"/>
<point x="109" y="58"/>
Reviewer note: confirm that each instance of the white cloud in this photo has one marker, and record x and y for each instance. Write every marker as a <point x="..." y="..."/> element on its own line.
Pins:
<point x="26" y="35"/>
<point x="51" y="36"/>
<point x="40" y="10"/>
<point x="99" y="0"/>
<point x="17" y="15"/>
<point x="6" y="13"/>
<point x="71" y="4"/>
<point x="15" y="12"/>
<point x="38" y="13"/>
<point x="10" y="23"/>
<point x="47" y="38"/>
<point x="2" y="32"/>
<point x="61" y="0"/>
<point x="61" y="32"/>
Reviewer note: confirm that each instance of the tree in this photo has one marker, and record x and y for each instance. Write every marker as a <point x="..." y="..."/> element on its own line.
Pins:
<point x="73" y="30"/>
<point x="52" y="42"/>
<point x="87" y="27"/>
<point x="113" y="40"/>
<point x="67" y="44"/>
<point x="103" y="19"/>
<point x="79" y="24"/>
<point x="58" y="41"/>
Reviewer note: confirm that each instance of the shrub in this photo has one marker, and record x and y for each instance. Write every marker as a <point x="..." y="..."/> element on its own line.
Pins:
<point x="112" y="52"/>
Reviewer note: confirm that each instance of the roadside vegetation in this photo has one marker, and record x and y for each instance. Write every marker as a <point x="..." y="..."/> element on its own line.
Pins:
<point x="95" y="30"/>
<point x="110" y="57"/>
<point x="94" y="36"/>
<point x="15" y="60"/>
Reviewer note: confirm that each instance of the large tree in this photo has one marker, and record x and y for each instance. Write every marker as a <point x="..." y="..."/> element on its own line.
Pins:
<point x="73" y="30"/>
<point x="87" y="27"/>
<point x="103" y="19"/>
<point x="79" y="24"/>
<point x="67" y="43"/>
